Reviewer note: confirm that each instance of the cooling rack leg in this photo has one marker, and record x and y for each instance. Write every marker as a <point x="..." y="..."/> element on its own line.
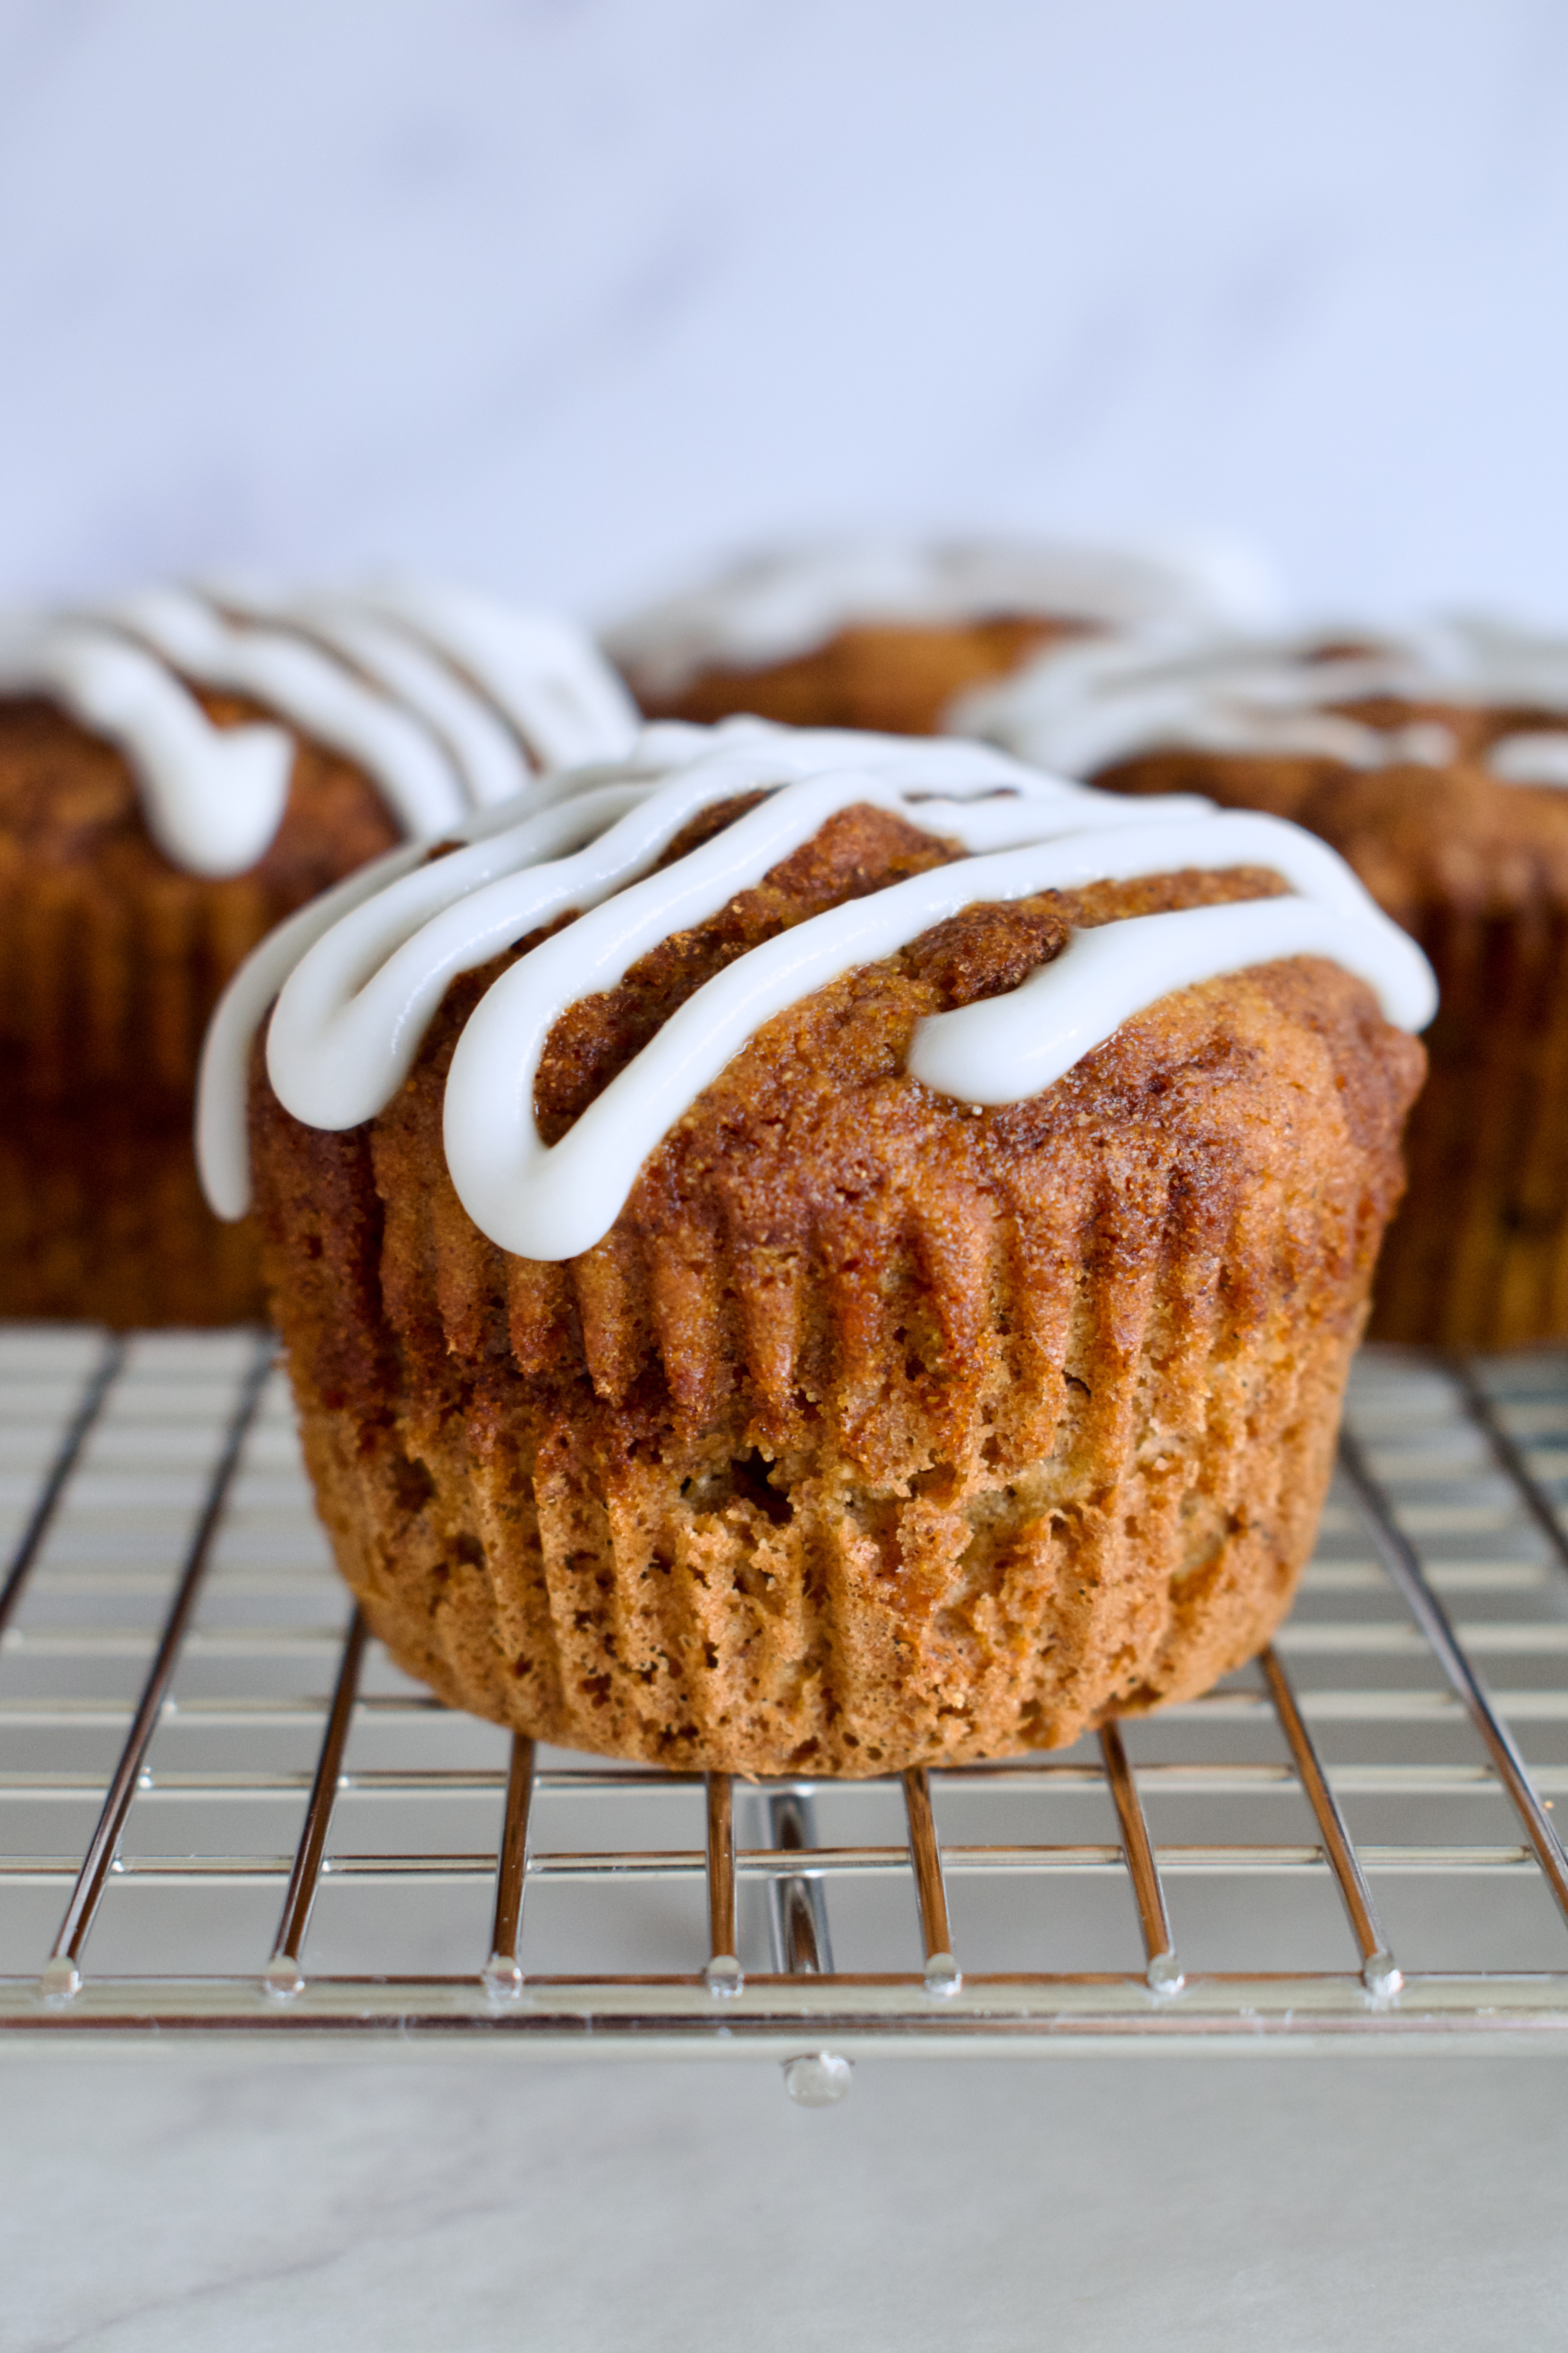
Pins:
<point x="30" y="1542"/>
<point x="503" y="1970"/>
<point x="942" y="1971"/>
<point x="1379" y="1974"/>
<point x="798" y="1918"/>
<point x="723" y="1972"/>
<point x="1161" y="1967"/>
<point x="797" y="1910"/>
<point x="284" y="1976"/>
<point x="225" y="1673"/>
<point x="1400" y="1558"/>
<point x="62" y="1972"/>
<point x="1484" y="1413"/>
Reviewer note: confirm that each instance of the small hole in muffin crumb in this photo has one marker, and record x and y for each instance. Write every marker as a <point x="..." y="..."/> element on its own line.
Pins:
<point x="752" y="1485"/>
<point x="412" y="1484"/>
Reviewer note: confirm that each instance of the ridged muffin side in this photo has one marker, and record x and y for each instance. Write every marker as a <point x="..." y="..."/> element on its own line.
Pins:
<point x="876" y="1431"/>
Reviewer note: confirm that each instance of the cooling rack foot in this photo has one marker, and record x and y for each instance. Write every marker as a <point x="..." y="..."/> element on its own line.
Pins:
<point x="61" y="1980"/>
<point x="1164" y="1974"/>
<point x="819" y="2079"/>
<point x="943" y="1974"/>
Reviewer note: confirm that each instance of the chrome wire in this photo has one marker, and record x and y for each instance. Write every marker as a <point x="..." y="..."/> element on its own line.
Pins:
<point x="788" y="1854"/>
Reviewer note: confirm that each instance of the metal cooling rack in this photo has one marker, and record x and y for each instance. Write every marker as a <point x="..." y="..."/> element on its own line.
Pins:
<point x="224" y="1811"/>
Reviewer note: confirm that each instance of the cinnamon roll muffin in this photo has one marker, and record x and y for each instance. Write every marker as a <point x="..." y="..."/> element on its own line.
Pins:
<point x="819" y="1251"/>
<point x="885" y="634"/>
<point x="1435" y="766"/>
<point x="177" y="773"/>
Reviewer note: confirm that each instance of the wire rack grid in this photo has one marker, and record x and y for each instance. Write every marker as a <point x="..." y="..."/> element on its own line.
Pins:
<point x="227" y="1813"/>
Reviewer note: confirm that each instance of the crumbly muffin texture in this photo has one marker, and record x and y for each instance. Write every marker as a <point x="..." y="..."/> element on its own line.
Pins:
<point x="895" y="678"/>
<point x="877" y="1430"/>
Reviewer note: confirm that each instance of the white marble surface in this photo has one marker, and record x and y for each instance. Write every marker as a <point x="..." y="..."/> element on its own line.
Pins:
<point x="1114" y="2207"/>
<point x="561" y="295"/>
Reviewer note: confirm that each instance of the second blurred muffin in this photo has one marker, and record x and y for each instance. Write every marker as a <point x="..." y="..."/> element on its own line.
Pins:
<point x="883" y="634"/>
<point x="1435" y="764"/>
<point x="176" y="775"/>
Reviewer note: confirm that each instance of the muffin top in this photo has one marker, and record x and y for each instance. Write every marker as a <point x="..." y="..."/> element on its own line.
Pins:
<point x="771" y="609"/>
<point x="583" y="894"/>
<point x="1433" y="762"/>
<point x="204" y="704"/>
<point x="1460" y="689"/>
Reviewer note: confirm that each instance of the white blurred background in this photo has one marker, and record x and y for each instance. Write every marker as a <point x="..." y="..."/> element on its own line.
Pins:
<point x="566" y="295"/>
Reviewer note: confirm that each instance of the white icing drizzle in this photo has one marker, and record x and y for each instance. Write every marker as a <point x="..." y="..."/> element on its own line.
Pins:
<point x="544" y="673"/>
<point x="222" y="1155"/>
<point x="1531" y="759"/>
<point x="213" y="797"/>
<point x="768" y="607"/>
<point x="222" y="1149"/>
<point x="361" y="974"/>
<point x="1083" y="707"/>
<point x="429" y="709"/>
<point x="491" y="764"/>
<point x="306" y="688"/>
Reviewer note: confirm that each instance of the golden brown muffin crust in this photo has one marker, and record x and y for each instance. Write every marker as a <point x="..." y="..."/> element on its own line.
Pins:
<point x="876" y="1429"/>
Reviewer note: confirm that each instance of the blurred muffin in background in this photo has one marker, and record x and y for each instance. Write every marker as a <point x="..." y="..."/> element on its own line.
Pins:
<point x="178" y="772"/>
<point x="883" y="634"/>
<point x="1436" y="764"/>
